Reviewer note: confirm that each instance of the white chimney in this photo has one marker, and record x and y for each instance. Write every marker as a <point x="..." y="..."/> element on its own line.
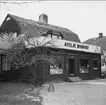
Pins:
<point x="43" y="18"/>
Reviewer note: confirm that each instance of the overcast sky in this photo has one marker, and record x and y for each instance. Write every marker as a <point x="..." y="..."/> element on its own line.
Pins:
<point x="85" y="18"/>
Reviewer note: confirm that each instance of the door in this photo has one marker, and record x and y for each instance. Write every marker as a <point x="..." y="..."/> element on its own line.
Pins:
<point x="71" y="67"/>
<point x="39" y="73"/>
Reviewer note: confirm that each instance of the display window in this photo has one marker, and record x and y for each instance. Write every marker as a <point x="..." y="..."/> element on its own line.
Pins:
<point x="56" y="68"/>
<point x="95" y="64"/>
<point x="84" y="66"/>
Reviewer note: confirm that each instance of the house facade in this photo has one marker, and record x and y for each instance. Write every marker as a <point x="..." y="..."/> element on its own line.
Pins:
<point x="73" y="60"/>
<point x="73" y="57"/>
<point x="99" y="41"/>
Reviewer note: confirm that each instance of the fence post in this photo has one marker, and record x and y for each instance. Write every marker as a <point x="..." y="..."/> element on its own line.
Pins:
<point x="51" y="87"/>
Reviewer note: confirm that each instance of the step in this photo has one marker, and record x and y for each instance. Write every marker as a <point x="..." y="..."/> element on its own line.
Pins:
<point x="75" y="79"/>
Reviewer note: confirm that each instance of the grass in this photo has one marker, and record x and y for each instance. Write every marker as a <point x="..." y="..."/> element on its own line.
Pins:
<point x="13" y="94"/>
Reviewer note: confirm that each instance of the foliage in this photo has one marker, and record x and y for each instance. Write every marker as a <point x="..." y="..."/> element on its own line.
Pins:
<point x="103" y="57"/>
<point x="26" y="50"/>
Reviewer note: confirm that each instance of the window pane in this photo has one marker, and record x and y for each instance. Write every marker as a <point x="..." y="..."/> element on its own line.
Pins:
<point x="95" y="64"/>
<point x="56" y="68"/>
<point x="59" y="37"/>
<point x="102" y="64"/>
<point x="54" y="36"/>
<point x="49" y="35"/>
<point x="84" y="66"/>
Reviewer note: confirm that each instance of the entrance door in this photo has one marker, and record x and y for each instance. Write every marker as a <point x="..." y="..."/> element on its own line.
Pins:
<point x="71" y="67"/>
<point x="39" y="73"/>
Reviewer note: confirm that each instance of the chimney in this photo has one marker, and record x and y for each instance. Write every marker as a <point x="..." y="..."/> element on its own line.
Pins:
<point x="43" y="18"/>
<point x="100" y="35"/>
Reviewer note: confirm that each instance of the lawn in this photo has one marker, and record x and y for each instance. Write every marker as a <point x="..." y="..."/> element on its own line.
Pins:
<point x="12" y="93"/>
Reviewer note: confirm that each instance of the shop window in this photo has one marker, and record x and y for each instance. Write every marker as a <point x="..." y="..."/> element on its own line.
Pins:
<point x="84" y="66"/>
<point x="102" y="64"/>
<point x="95" y="64"/>
<point x="56" y="68"/>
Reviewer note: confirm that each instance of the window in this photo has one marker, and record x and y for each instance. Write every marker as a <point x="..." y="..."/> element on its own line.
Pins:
<point x="59" y="37"/>
<point x="95" y="64"/>
<point x="102" y="64"/>
<point x="54" y="36"/>
<point x="49" y="35"/>
<point x="15" y="35"/>
<point x="8" y="19"/>
<point x="83" y="66"/>
<point x="56" y="68"/>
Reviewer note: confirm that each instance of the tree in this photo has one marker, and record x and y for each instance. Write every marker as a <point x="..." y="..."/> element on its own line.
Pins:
<point x="23" y="49"/>
<point x="27" y="50"/>
<point x="103" y="56"/>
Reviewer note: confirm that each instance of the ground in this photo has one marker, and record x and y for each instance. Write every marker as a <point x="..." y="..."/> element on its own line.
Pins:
<point x="79" y="93"/>
<point x="12" y="93"/>
<point x="92" y="92"/>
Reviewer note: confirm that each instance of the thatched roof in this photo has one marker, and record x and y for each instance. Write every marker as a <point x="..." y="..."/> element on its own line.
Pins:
<point x="32" y="28"/>
<point x="97" y="41"/>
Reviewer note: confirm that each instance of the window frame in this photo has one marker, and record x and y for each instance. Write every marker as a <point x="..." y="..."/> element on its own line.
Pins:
<point x="57" y="35"/>
<point x="95" y="68"/>
<point x="82" y="68"/>
<point x="56" y="68"/>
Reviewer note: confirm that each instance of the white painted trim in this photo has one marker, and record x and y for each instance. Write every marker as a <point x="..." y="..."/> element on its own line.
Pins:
<point x="64" y="44"/>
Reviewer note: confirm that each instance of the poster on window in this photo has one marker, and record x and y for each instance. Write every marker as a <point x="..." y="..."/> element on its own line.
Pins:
<point x="84" y="66"/>
<point x="55" y="69"/>
<point x="83" y="70"/>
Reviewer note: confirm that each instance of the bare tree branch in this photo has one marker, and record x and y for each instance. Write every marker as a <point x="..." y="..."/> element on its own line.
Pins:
<point x="36" y="49"/>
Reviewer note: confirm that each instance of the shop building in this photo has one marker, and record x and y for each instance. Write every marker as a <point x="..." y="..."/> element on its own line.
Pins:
<point x="73" y="60"/>
<point x="100" y="40"/>
<point x="73" y="57"/>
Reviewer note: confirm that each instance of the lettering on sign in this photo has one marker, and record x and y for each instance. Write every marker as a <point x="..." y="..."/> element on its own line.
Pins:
<point x="78" y="46"/>
<point x="82" y="46"/>
<point x="73" y="45"/>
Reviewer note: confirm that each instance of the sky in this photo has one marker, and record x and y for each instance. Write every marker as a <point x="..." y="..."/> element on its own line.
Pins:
<point x="85" y="18"/>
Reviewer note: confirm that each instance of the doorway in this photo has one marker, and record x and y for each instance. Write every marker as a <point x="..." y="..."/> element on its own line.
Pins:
<point x="39" y="72"/>
<point x="71" y="67"/>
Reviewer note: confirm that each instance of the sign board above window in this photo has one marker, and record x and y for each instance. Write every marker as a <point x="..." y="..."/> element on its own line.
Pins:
<point x="64" y="44"/>
<point x="76" y="45"/>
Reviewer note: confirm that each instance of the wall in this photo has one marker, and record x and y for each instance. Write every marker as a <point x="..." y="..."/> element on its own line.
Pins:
<point x="64" y="58"/>
<point x="42" y="71"/>
<point x="50" y="77"/>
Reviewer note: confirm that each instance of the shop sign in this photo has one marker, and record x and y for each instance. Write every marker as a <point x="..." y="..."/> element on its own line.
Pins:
<point x="75" y="45"/>
<point x="63" y="44"/>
